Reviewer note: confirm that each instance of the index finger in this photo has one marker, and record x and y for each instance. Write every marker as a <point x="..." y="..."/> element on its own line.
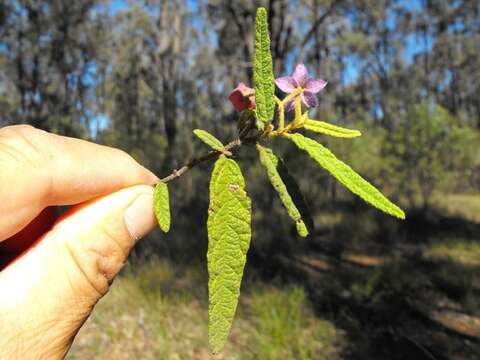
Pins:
<point x="39" y="169"/>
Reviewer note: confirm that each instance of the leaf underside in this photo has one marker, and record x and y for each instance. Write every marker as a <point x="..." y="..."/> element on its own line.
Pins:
<point x="229" y="234"/>
<point x="346" y="175"/>
<point x="161" y="204"/>
<point x="263" y="69"/>
<point x="287" y="189"/>
<point x="209" y="139"/>
<point x="323" y="127"/>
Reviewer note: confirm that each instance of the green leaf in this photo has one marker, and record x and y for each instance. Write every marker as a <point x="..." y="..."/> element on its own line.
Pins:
<point x="161" y="204"/>
<point x="229" y="234"/>
<point x="323" y="127"/>
<point x="285" y="185"/>
<point x="263" y="69"/>
<point x="346" y="175"/>
<point x="209" y="139"/>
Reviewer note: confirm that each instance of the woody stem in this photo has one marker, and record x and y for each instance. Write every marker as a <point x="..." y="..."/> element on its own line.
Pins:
<point x="212" y="155"/>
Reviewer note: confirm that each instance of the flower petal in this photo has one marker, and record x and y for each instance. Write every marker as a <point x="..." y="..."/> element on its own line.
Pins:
<point x="289" y="106"/>
<point x="237" y="101"/>
<point x="244" y="89"/>
<point x="286" y="83"/>
<point x="242" y="97"/>
<point x="252" y="104"/>
<point x="315" y="85"/>
<point x="300" y="75"/>
<point x="309" y="99"/>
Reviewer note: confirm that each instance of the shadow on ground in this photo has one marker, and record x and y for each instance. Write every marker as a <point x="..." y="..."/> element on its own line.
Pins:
<point x="412" y="293"/>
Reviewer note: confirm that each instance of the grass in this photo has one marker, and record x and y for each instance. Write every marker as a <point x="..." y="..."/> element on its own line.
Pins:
<point x="464" y="205"/>
<point x="392" y="296"/>
<point x="459" y="250"/>
<point x="158" y="312"/>
<point x="280" y="317"/>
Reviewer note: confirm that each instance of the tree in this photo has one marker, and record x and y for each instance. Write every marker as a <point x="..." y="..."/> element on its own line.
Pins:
<point x="430" y="152"/>
<point x="48" y="51"/>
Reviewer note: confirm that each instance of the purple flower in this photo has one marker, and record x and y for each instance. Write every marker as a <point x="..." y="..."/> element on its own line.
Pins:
<point x="300" y="79"/>
<point x="242" y="97"/>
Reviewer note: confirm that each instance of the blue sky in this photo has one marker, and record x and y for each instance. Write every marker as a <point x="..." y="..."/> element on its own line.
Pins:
<point x="117" y="5"/>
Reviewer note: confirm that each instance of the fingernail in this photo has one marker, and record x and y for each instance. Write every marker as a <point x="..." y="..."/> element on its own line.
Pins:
<point x="139" y="217"/>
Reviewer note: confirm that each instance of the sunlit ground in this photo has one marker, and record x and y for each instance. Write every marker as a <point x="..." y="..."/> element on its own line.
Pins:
<point x="156" y="313"/>
<point x="418" y="300"/>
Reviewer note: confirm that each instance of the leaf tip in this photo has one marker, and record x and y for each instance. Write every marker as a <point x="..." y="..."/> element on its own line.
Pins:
<point x="165" y="228"/>
<point x="302" y="229"/>
<point x="400" y="214"/>
<point x="261" y="11"/>
<point x="394" y="211"/>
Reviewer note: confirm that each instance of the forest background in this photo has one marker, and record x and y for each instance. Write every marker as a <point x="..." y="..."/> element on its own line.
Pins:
<point x="141" y="75"/>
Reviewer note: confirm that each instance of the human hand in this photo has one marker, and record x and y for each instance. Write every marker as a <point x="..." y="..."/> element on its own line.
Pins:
<point x="53" y="271"/>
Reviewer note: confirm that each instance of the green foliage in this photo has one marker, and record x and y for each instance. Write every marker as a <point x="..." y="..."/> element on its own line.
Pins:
<point x="229" y="214"/>
<point x="209" y="139"/>
<point x="345" y="174"/>
<point x="263" y="69"/>
<point x="323" y="127"/>
<point x="430" y="152"/>
<point x="146" y="97"/>
<point x="280" y="327"/>
<point x="161" y="202"/>
<point x="275" y="167"/>
<point x="229" y="234"/>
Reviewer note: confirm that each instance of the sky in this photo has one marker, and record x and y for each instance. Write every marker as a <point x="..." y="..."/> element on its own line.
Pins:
<point x="117" y="5"/>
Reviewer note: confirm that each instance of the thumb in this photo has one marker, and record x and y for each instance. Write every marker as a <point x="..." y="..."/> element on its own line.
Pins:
<point x="50" y="290"/>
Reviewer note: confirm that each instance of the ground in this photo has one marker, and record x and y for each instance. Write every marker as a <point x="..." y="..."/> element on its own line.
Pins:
<point x="412" y="293"/>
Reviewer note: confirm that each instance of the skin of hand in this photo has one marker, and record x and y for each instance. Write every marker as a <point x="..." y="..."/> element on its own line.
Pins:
<point x="54" y="270"/>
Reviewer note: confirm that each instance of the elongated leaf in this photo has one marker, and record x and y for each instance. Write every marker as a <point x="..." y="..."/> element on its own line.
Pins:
<point x="263" y="69"/>
<point x="287" y="189"/>
<point x="209" y="139"/>
<point x="323" y="127"/>
<point x="229" y="234"/>
<point x="161" y="204"/>
<point x="346" y="175"/>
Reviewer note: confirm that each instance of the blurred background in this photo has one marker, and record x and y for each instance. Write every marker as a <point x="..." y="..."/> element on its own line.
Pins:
<point x="141" y="75"/>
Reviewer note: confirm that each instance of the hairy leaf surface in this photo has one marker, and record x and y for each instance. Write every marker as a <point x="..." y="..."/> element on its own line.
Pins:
<point x="346" y="175"/>
<point x="263" y="69"/>
<point x="161" y="204"/>
<point x="209" y="139"/>
<point x="287" y="189"/>
<point x="323" y="127"/>
<point x="229" y="234"/>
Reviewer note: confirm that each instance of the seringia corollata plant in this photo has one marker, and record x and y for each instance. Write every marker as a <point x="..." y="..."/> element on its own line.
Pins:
<point x="229" y="213"/>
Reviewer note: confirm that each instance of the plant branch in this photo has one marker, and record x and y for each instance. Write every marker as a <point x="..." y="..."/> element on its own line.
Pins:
<point x="319" y="21"/>
<point x="269" y="132"/>
<point x="203" y="159"/>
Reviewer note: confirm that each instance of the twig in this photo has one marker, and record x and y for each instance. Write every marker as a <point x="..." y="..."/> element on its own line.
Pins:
<point x="196" y="161"/>
<point x="422" y="348"/>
